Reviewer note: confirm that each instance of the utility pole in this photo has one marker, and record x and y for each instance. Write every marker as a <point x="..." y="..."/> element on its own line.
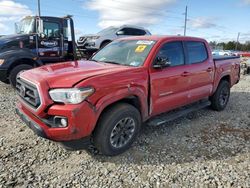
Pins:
<point x="39" y="9"/>
<point x="185" y="24"/>
<point x="237" y="43"/>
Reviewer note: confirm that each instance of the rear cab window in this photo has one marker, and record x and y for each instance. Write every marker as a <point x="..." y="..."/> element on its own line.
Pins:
<point x="197" y="52"/>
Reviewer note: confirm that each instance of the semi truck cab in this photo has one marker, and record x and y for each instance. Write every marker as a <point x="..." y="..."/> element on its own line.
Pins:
<point x="38" y="40"/>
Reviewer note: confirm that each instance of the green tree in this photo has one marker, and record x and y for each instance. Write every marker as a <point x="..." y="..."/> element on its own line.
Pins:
<point x="230" y="45"/>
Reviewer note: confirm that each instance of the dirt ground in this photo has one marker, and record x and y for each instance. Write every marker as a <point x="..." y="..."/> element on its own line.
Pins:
<point x="204" y="149"/>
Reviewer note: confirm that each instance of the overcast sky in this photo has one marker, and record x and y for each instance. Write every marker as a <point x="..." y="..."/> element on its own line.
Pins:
<point x="213" y="19"/>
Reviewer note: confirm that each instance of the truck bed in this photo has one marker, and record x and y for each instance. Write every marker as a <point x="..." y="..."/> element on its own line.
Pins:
<point x="220" y="58"/>
<point x="229" y="65"/>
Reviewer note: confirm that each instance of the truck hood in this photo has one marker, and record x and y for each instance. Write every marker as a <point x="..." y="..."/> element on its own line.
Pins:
<point x="64" y="75"/>
<point x="8" y="38"/>
<point x="12" y="40"/>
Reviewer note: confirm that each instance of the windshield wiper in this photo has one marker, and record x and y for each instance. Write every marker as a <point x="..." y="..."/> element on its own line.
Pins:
<point x="93" y="60"/>
<point x="111" y="62"/>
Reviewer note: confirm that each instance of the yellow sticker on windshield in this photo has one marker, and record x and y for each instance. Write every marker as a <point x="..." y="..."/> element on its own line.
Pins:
<point x="140" y="48"/>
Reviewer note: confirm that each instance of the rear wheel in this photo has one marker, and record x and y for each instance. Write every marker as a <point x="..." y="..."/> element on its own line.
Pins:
<point x="248" y="70"/>
<point x="117" y="129"/>
<point x="17" y="70"/>
<point x="220" y="98"/>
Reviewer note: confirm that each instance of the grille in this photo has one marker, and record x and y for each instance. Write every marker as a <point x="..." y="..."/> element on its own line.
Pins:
<point x="28" y="92"/>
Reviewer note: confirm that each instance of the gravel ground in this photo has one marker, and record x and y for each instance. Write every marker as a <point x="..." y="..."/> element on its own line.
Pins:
<point x="204" y="149"/>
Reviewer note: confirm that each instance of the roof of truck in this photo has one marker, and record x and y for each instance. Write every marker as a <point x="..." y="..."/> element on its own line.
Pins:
<point x="162" y="37"/>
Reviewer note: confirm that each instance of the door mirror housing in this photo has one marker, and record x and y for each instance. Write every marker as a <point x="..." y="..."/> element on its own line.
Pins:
<point x="42" y="35"/>
<point x="120" y="33"/>
<point x="161" y="62"/>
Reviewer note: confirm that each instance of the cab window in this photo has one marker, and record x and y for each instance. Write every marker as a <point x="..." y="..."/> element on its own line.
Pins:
<point x="197" y="52"/>
<point x="51" y="29"/>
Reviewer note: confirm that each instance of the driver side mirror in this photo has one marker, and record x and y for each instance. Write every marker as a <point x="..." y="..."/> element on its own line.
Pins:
<point x="120" y="32"/>
<point x="42" y="35"/>
<point x="161" y="62"/>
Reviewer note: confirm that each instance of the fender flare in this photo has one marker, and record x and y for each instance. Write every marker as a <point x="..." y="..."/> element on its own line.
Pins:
<point x="125" y="93"/>
<point x="219" y="80"/>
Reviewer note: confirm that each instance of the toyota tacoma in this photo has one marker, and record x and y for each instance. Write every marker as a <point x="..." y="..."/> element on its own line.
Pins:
<point x="132" y="80"/>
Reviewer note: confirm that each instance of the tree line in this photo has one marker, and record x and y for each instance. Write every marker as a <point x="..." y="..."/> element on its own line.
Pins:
<point x="231" y="45"/>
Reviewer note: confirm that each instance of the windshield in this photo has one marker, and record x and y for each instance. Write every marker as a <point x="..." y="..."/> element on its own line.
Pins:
<point x="107" y="31"/>
<point x="125" y="52"/>
<point x="25" y="26"/>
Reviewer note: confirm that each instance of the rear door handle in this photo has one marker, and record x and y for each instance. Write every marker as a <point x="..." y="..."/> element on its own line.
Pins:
<point x="210" y="69"/>
<point x="186" y="74"/>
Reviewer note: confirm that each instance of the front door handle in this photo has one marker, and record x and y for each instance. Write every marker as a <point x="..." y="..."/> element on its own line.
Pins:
<point x="210" y="69"/>
<point x="185" y="74"/>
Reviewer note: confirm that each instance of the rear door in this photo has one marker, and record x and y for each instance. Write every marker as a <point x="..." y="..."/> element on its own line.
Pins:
<point x="200" y="70"/>
<point x="169" y="86"/>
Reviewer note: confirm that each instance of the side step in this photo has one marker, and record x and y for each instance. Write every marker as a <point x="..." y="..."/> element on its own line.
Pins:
<point x="180" y="112"/>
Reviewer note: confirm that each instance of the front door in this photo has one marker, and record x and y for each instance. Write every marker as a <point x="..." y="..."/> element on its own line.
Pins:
<point x="50" y="44"/>
<point x="169" y="86"/>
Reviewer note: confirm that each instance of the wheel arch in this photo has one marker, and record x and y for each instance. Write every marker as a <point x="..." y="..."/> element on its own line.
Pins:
<point x="26" y="60"/>
<point x="105" y="41"/>
<point x="20" y="56"/>
<point x="225" y="77"/>
<point x="132" y="100"/>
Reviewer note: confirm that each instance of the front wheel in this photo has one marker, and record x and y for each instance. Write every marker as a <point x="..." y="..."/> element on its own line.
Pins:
<point x="117" y="129"/>
<point x="17" y="70"/>
<point x="220" y="98"/>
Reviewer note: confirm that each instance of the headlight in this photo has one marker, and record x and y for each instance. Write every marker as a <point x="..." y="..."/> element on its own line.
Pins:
<point x="95" y="37"/>
<point x="70" y="96"/>
<point x="1" y="61"/>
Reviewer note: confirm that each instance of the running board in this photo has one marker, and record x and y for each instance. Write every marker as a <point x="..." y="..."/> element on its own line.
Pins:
<point x="180" y="112"/>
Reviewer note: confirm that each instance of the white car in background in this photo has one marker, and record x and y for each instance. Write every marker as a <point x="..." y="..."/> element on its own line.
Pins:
<point x="102" y="38"/>
<point x="223" y="52"/>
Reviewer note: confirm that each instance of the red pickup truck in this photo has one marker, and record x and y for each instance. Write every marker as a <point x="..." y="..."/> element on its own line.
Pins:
<point x="128" y="82"/>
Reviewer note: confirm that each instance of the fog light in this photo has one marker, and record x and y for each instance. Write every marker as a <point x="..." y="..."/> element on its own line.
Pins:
<point x="64" y="122"/>
<point x="60" y="121"/>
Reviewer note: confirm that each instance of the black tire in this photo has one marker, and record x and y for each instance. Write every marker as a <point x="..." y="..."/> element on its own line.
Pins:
<point x="15" y="71"/>
<point x="221" y="96"/>
<point x="105" y="43"/>
<point x="248" y="70"/>
<point x="6" y="81"/>
<point x="123" y="115"/>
